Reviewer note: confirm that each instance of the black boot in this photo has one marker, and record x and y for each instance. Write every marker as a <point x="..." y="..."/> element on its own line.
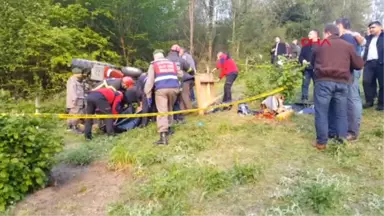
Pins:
<point x="368" y="105"/>
<point x="163" y="139"/>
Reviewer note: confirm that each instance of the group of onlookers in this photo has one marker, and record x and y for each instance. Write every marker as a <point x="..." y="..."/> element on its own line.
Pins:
<point x="335" y="68"/>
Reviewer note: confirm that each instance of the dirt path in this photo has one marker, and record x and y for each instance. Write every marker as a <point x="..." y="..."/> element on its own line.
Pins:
<point x="79" y="191"/>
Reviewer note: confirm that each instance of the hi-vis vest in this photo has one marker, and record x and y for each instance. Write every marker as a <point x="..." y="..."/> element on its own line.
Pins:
<point x="165" y="74"/>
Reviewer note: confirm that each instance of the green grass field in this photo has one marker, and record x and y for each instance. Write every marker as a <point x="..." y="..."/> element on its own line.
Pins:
<point x="224" y="164"/>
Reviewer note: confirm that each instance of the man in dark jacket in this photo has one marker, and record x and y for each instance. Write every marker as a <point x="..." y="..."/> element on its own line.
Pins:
<point x="355" y="106"/>
<point x="373" y="70"/>
<point x="332" y="67"/>
<point x="278" y="49"/>
<point x="183" y="101"/>
<point x="305" y="59"/>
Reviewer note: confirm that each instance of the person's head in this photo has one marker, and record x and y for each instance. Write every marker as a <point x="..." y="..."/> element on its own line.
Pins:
<point x="294" y="41"/>
<point x="219" y="54"/>
<point x="331" y="29"/>
<point x="182" y="51"/>
<point x="313" y="34"/>
<point x="277" y="40"/>
<point x="375" y="28"/>
<point x="343" y="24"/>
<point x="175" y="48"/>
<point x="157" y="54"/>
<point x="127" y="82"/>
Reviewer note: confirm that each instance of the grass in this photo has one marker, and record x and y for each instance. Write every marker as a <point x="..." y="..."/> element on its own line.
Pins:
<point x="224" y="164"/>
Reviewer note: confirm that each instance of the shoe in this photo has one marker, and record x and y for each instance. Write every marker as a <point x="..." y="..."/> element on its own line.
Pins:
<point x="380" y="108"/>
<point x="319" y="147"/>
<point x="180" y="121"/>
<point x="368" y="105"/>
<point x="170" y="131"/>
<point x="351" y="138"/>
<point x="331" y="136"/>
<point x="163" y="139"/>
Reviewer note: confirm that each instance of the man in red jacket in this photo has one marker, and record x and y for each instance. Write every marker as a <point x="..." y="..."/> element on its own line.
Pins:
<point x="229" y="70"/>
<point x="107" y="101"/>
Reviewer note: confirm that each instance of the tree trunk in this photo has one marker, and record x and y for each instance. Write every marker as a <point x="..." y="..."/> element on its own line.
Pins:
<point x="191" y="24"/>
<point x="233" y="25"/>
<point x="124" y="50"/>
<point x="211" y="8"/>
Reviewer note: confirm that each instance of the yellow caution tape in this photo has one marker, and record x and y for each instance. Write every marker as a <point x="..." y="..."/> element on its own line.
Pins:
<point x="105" y="116"/>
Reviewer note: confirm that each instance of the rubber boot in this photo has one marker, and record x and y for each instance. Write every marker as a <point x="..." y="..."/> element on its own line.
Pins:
<point x="163" y="139"/>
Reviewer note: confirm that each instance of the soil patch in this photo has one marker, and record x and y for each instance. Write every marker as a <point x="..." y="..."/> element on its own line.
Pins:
<point x="78" y="191"/>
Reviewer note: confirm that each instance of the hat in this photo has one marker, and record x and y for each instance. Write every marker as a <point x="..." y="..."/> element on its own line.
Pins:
<point x="158" y="51"/>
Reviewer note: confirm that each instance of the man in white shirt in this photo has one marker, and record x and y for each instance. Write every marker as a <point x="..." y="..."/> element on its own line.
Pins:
<point x="373" y="69"/>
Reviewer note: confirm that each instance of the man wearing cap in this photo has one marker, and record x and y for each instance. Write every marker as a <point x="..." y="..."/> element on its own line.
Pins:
<point x="163" y="76"/>
<point x="183" y="99"/>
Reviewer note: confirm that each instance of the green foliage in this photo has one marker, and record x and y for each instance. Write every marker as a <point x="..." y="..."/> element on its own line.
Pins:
<point x="27" y="148"/>
<point x="311" y="191"/>
<point x="262" y="78"/>
<point x="86" y="152"/>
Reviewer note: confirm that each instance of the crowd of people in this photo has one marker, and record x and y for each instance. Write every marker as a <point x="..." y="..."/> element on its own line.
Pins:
<point x="167" y="86"/>
<point x="335" y="70"/>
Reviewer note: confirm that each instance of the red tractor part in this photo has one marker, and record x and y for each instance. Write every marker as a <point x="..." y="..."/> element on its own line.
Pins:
<point x="112" y="73"/>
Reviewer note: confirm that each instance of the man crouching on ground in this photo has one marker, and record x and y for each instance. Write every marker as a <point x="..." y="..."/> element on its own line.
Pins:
<point x="332" y="66"/>
<point x="163" y="76"/>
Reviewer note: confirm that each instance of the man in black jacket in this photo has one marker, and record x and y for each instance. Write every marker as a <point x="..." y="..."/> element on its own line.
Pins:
<point x="373" y="69"/>
<point x="183" y="101"/>
<point x="305" y="58"/>
<point x="278" y="49"/>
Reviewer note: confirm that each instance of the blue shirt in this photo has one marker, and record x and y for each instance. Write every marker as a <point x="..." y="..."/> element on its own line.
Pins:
<point x="350" y="39"/>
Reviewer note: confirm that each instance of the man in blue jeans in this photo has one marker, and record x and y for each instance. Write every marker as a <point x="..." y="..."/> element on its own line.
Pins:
<point x="354" y="103"/>
<point x="332" y="64"/>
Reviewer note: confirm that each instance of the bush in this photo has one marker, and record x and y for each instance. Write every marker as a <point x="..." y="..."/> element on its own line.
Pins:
<point x="265" y="77"/>
<point x="27" y="148"/>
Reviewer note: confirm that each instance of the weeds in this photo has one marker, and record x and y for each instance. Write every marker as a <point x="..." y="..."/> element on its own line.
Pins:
<point x="315" y="192"/>
<point x="87" y="152"/>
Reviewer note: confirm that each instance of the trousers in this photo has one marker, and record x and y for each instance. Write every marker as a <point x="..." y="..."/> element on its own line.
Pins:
<point x="330" y="109"/>
<point x="230" y="79"/>
<point x="373" y="72"/>
<point x="165" y="99"/>
<point x="96" y="100"/>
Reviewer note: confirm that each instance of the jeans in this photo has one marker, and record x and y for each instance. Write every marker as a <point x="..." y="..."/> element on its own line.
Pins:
<point x="192" y="92"/>
<point x="230" y="79"/>
<point x="330" y="103"/>
<point x="355" y="106"/>
<point x="307" y="77"/>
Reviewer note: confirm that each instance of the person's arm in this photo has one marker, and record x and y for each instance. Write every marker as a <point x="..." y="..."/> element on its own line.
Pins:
<point x="219" y="65"/>
<point x="313" y="56"/>
<point x="117" y="103"/>
<point x="301" y="57"/>
<point x="356" y="61"/>
<point x="150" y="82"/>
<point x="360" y="39"/>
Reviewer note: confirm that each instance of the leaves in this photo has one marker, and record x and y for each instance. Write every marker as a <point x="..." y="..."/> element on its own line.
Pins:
<point x="26" y="156"/>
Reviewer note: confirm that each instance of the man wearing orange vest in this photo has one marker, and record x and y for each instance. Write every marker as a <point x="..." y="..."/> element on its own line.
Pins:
<point x="163" y="77"/>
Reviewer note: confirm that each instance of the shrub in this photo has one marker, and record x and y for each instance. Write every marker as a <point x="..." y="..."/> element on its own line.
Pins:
<point x="27" y="148"/>
<point x="265" y="77"/>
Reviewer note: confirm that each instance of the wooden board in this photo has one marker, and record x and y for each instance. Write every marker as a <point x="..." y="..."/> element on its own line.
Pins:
<point x="205" y="90"/>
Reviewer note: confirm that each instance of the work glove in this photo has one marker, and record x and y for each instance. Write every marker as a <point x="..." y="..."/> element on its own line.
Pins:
<point x="149" y="101"/>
